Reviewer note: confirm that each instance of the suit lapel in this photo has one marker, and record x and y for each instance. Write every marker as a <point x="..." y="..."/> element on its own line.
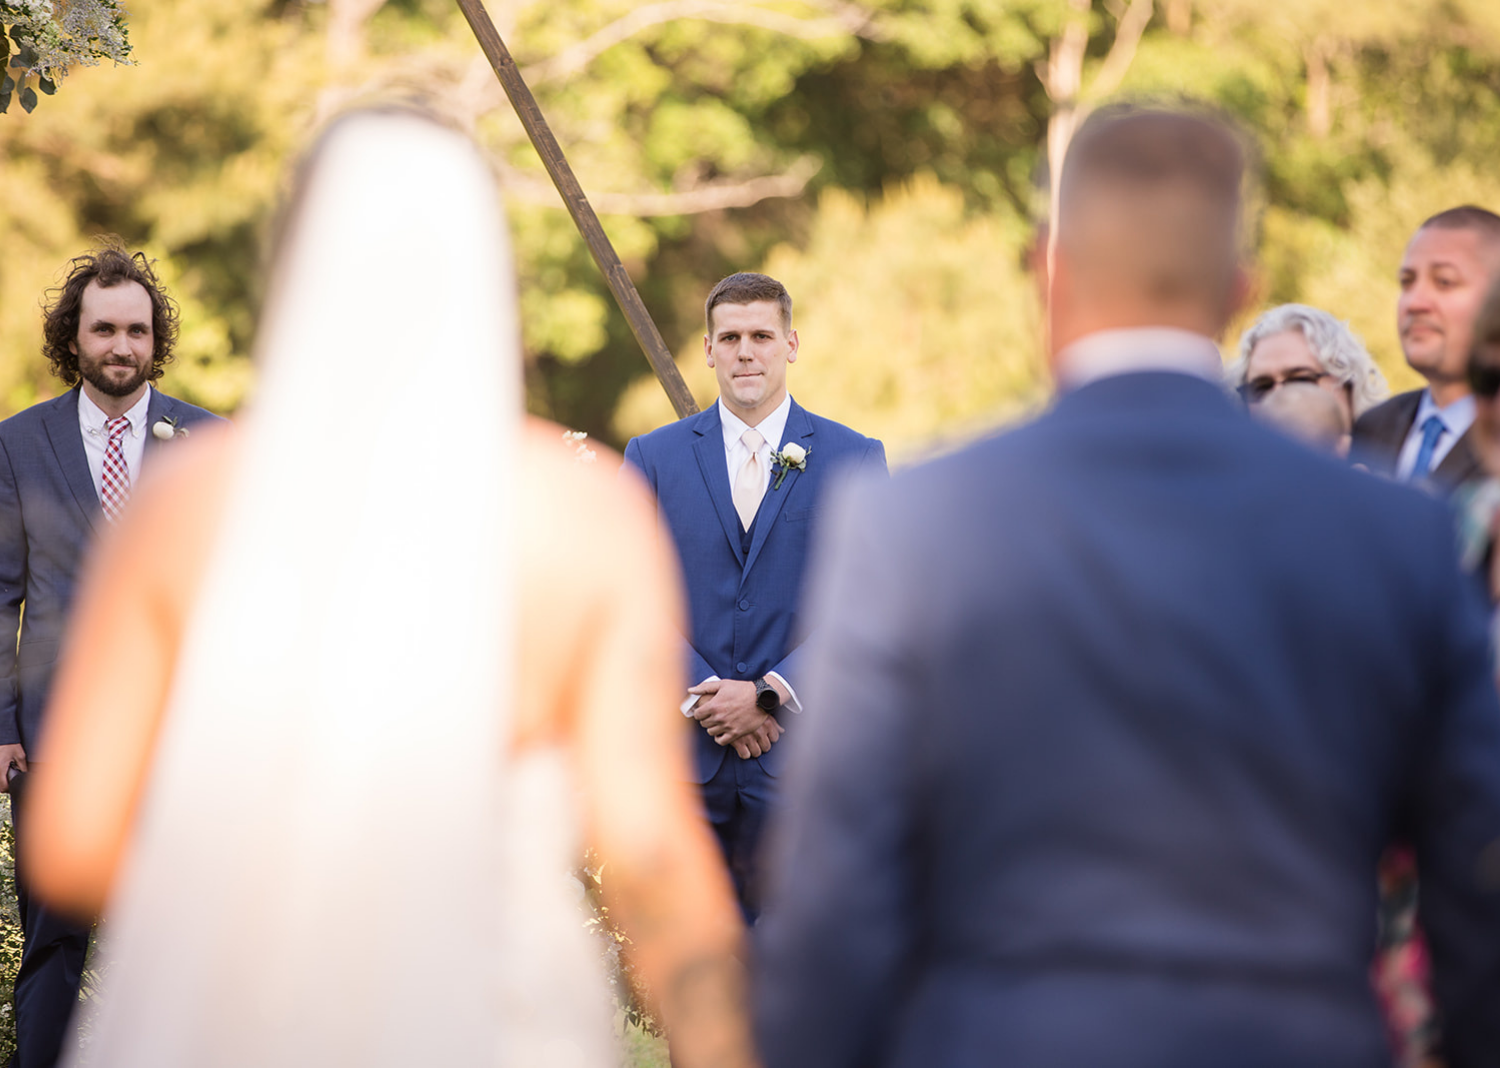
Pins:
<point x="799" y="428"/>
<point x="159" y="407"/>
<point x="1461" y="464"/>
<point x="63" y="431"/>
<point x="709" y="448"/>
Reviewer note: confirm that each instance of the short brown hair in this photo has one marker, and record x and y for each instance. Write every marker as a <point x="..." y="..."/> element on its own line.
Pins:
<point x="747" y="287"/>
<point x="110" y="264"/>
<point x="1482" y="221"/>
<point x="1155" y="194"/>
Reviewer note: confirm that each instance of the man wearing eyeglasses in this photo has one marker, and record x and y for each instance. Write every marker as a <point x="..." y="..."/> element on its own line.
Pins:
<point x="1424" y="436"/>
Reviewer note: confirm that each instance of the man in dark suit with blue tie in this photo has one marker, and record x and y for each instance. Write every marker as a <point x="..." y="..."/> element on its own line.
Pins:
<point x="739" y="486"/>
<point x="66" y="468"/>
<point x="1424" y="436"/>
<point x="1118" y="710"/>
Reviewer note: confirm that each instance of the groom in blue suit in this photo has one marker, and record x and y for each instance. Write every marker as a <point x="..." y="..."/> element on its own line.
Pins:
<point x="66" y="468"/>
<point x="739" y="486"/>
<point x="1118" y="710"/>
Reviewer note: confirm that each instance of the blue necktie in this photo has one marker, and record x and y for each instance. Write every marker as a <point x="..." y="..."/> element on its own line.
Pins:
<point x="1432" y="429"/>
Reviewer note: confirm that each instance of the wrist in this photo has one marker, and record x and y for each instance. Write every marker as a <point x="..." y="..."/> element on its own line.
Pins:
<point x="768" y="696"/>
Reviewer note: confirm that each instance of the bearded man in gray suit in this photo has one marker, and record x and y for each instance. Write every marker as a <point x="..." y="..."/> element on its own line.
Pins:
<point x="66" y="469"/>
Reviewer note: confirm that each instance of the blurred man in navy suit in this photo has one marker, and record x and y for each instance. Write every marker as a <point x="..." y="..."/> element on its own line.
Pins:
<point x="1117" y="711"/>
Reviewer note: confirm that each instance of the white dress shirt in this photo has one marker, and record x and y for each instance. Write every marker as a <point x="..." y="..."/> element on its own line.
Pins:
<point x="91" y="420"/>
<point x="772" y="427"/>
<point x="1153" y="348"/>
<point x="1457" y="418"/>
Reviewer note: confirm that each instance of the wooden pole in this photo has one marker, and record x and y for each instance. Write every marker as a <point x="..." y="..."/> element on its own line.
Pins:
<point x="587" y="222"/>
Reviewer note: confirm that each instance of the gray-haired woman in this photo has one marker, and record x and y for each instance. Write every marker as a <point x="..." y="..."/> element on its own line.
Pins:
<point x="1298" y="343"/>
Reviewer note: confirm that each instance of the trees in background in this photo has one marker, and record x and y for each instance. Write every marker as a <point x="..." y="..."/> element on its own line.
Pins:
<point x="885" y="157"/>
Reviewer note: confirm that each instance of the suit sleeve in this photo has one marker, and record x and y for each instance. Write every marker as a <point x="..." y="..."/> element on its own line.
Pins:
<point x="871" y="465"/>
<point x="1457" y="829"/>
<point x="833" y="941"/>
<point x="12" y="592"/>
<point x="695" y="668"/>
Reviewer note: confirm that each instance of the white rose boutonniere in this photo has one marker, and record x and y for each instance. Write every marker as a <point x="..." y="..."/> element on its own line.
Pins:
<point x="790" y="456"/>
<point x="166" y="428"/>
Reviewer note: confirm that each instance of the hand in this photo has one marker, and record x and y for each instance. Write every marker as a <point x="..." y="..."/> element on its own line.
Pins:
<point x="760" y="740"/>
<point x="10" y="754"/>
<point x="727" y="709"/>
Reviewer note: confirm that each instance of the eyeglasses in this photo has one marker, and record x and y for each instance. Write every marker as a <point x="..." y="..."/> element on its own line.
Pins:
<point x="1257" y="389"/>
<point x="1484" y="379"/>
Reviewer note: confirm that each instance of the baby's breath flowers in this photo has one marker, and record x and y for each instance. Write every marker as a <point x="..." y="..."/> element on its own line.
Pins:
<point x="44" y="39"/>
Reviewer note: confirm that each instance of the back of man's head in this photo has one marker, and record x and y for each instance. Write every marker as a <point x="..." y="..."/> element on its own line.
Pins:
<point x="1149" y="223"/>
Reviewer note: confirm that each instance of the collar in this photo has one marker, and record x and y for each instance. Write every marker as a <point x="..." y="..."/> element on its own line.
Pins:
<point x="1457" y="417"/>
<point x="772" y="427"/>
<point x="92" y="418"/>
<point x="1106" y="353"/>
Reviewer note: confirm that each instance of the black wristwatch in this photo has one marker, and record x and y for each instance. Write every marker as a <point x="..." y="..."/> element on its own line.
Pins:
<point x="766" y="697"/>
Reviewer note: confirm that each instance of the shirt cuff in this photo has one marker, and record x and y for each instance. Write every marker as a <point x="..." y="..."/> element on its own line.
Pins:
<point x="791" y="700"/>
<point x="692" y="698"/>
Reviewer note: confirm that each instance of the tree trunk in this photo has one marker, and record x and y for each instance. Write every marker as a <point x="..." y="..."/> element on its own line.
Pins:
<point x="1063" y="79"/>
<point x="346" y="30"/>
<point x="1319" y="85"/>
<point x="1180" y="17"/>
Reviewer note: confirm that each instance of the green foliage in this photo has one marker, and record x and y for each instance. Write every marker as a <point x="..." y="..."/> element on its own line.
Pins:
<point x="917" y="113"/>
<point x="50" y="39"/>
<point x="914" y="316"/>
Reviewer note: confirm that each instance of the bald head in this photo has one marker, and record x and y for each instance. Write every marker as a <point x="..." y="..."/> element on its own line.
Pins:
<point x="1309" y="413"/>
<point x="1149" y="224"/>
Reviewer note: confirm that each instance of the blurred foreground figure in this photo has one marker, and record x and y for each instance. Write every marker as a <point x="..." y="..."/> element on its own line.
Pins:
<point x="1478" y="501"/>
<point x="332" y="811"/>
<point x="67" y="467"/>
<point x="1143" y="738"/>
<point x="1308" y="413"/>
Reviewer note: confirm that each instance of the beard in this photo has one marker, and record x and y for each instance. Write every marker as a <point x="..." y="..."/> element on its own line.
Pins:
<point x="93" y="373"/>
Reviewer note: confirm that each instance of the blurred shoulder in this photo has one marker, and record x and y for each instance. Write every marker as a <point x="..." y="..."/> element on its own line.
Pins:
<point x="574" y="487"/>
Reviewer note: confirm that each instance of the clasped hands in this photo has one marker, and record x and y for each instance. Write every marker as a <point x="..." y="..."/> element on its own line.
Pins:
<point x="726" y="708"/>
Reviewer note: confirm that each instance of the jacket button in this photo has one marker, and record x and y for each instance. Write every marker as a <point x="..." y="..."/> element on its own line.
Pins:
<point x="744" y="605"/>
<point x="742" y="667"/>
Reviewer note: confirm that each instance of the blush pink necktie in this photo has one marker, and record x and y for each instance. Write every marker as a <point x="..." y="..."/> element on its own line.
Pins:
<point x="750" y="483"/>
<point x="114" y="488"/>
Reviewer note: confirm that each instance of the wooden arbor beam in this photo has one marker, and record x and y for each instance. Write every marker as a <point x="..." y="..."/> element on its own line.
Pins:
<point x="629" y="300"/>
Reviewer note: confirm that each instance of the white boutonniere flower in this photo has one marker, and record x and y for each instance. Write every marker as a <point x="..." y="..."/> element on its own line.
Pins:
<point x="790" y="456"/>
<point x="166" y="428"/>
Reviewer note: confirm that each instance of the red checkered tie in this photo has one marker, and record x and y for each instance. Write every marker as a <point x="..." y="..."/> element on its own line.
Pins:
<point x="115" y="486"/>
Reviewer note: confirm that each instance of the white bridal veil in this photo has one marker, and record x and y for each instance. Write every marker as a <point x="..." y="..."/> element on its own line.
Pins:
<point x="315" y="875"/>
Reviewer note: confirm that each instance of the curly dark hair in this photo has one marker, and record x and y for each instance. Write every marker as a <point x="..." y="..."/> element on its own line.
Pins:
<point x="109" y="265"/>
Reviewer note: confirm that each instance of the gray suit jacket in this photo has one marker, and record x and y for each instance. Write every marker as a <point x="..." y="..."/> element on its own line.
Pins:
<point x="49" y="512"/>
<point x="1380" y="433"/>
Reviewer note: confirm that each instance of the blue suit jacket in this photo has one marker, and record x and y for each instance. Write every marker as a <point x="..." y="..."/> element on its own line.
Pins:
<point x="743" y="608"/>
<point x="49" y="512"/>
<point x="1116" y="714"/>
